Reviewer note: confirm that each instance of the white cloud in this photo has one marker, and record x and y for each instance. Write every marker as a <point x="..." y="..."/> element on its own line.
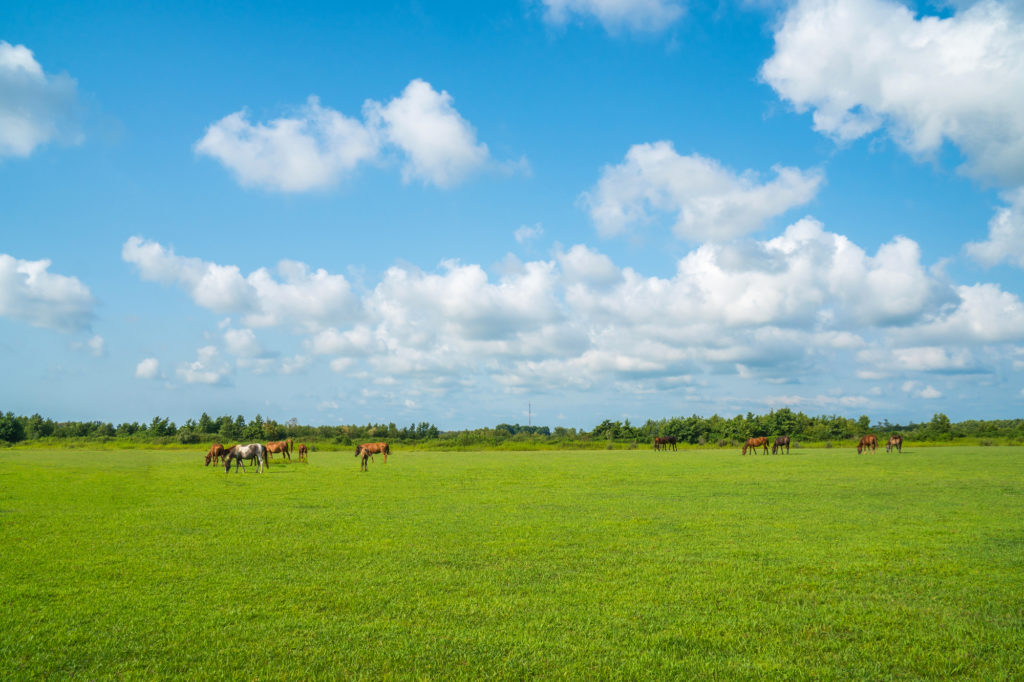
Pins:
<point x="708" y="201"/>
<point x="243" y="343"/>
<point x="208" y="368"/>
<point x="147" y="369"/>
<point x="918" y="359"/>
<point x="35" y="108"/>
<point x="440" y="146"/>
<point x="928" y="392"/>
<point x="1005" y="234"/>
<point x="983" y="313"/>
<point x="28" y="292"/>
<point x="309" y="151"/>
<point x="527" y="233"/>
<point x="317" y="146"/>
<point x="865" y="65"/>
<point x="803" y="307"/>
<point x="96" y="346"/>
<point x="862" y="64"/>
<point x="310" y="299"/>
<point x="614" y="15"/>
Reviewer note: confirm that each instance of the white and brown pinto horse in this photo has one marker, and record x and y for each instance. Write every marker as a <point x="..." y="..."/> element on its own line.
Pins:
<point x="895" y="443"/>
<point x="254" y="452"/>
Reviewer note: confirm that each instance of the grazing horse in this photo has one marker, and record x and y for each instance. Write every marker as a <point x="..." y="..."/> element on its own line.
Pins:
<point x="253" y="451"/>
<point x="672" y="440"/>
<point x="280" y="446"/>
<point x="868" y="441"/>
<point x="303" y="453"/>
<point x="781" y="442"/>
<point x="660" y="442"/>
<point x="754" y="443"/>
<point x="215" y="454"/>
<point x="895" y="443"/>
<point x="366" y="455"/>
<point x="375" y="449"/>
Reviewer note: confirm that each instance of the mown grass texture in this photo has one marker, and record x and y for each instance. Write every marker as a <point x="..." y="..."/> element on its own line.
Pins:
<point x="557" y="565"/>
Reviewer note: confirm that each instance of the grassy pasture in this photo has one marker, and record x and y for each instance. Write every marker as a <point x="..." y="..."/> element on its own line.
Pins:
<point x="575" y="565"/>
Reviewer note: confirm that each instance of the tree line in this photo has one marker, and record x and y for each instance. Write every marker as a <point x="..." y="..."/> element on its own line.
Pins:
<point x="695" y="430"/>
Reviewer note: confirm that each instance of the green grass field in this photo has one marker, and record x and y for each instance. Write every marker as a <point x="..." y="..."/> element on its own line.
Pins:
<point x="555" y="565"/>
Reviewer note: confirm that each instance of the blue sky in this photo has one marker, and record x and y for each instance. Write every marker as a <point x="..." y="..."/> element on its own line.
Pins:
<point x="444" y="212"/>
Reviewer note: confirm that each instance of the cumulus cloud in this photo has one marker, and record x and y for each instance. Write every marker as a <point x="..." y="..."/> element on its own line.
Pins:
<point x="862" y="64"/>
<point x="35" y="108"/>
<point x="615" y="15"/>
<point x="243" y="343"/>
<point x="96" y="346"/>
<point x="310" y="150"/>
<point x="207" y="368"/>
<point x="865" y="65"/>
<point x="526" y="233"/>
<point x="148" y="368"/>
<point x="807" y="303"/>
<point x="439" y="145"/>
<point x="707" y="201"/>
<point x="317" y="146"/>
<point x="30" y="293"/>
<point x="311" y="299"/>
<point x="1005" y="234"/>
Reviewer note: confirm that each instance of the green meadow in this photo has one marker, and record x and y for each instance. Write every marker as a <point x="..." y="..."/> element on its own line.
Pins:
<point x="557" y="565"/>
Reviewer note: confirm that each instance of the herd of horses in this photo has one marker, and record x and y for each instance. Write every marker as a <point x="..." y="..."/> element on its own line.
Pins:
<point x="868" y="442"/>
<point x="255" y="453"/>
<point x="259" y="454"/>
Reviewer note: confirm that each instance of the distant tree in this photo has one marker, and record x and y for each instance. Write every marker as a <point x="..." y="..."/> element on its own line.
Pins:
<point x="205" y="424"/>
<point x="11" y="429"/>
<point x="863" y="424"/>
<point x="940" y="426"/>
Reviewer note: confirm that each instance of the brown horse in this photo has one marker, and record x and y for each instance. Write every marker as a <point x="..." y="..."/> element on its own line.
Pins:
<point x="781" y="442"/>
<point x="755" y="443"/>
<point x="375" y="449"/>
<point x="868" y="441"/>
<point x="215" y="454"/>
<point x="895" y="443"/>
<point x="660" y="442"/>
<point x="303" y="453"/>
<point x="280" y="446"/>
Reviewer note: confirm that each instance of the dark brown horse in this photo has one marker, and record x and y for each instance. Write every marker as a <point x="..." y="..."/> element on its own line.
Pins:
<point x="280" y="446"/>
<point x="303" y="453"/>
<point x="781" y="442"/>
<point x="755" y="443"/>
<point x="660" y="442"/>
<point x="895" y="443"/>
<point x="374" y="449"/>
<point x="215" y="454"/>
<point x="868" y="441"/>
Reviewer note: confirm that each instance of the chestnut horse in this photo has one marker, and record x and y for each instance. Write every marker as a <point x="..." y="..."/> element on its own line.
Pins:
<point x="303" y="453"/>
<point x="660" y="442"/>
<point x="781" y="442"/>
<point x="755" y="443"/>
<point x="215" y="454"/>
<point x="868" y="441"/>
<point x="895" y="443"/>
<point x="372" y="449"/>
<point x="280" y="446"/>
